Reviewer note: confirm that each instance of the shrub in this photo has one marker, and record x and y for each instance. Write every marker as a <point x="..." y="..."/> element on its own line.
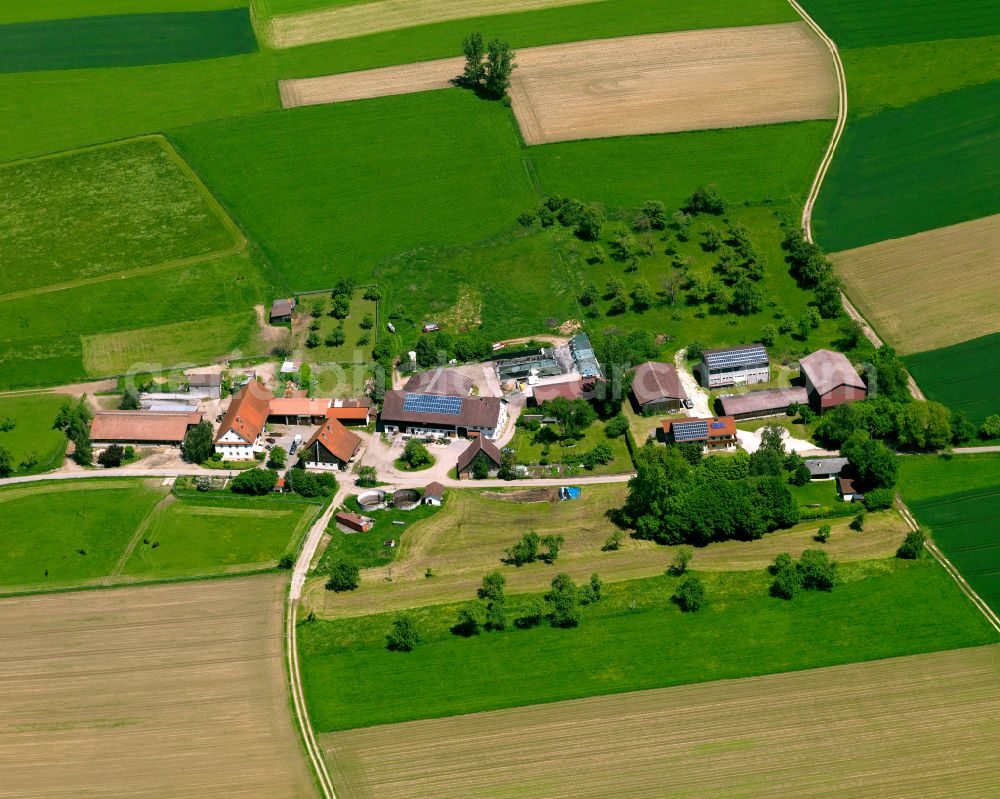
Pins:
<point x="786" y="577"/>
<point x="613" y="542"/>
<point x="690" y="594"/>
<point x="533" y="614"/>
<point x="858" y="522"/>
<point x="286" y="561"/>
<point x="526" y="218"/>
<point x="817" y="571"/>
<point x="367" y="476"/>
<point x="564" y="601"/>
<point x="525" y="550"/>
<point x="912" y="547"/>
<point x="111" y="457"/>
<point x="879" y="499"/>
<point x="403" y="637"/>
<point x="681" y="561"/>
<point x="616" y="427"/>
<point x="416" y="454"/>
<point x="823" y="534"/>
<point x="277" y="458"/>
<point x="344" y="576"/>
<point x="800" y="476"/>
<point x="255" y="482"/>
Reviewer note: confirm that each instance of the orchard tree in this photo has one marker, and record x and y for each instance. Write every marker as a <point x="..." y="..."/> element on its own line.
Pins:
<point x="690" y="594"/>
<point x="564" y="602"/>
<point x="404" y="636"/>
<point x="343" y="576"/>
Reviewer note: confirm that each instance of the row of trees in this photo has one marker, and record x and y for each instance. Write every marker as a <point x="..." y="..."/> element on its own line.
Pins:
<point x="587" y="221"/>
<point x="436" y="349"/>
<point x="74" y="419"/>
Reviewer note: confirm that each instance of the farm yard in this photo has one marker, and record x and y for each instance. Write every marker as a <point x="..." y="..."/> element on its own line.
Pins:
<point x="470" y="535"/>
<point x="755" y="738"/>
<point x="634" y="638"/>
<point x="928" y="290"/>
<point x="113" y="531"/>
<point x="966" y="376"/>
<point x="160" y="691"/>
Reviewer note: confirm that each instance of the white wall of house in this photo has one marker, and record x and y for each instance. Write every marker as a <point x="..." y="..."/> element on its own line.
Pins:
<point x="233" y="448"/>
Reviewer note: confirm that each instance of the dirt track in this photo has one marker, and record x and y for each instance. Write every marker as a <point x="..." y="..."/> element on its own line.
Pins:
<point x="344" y="22"/>
<point x="922" y="726"/>
<point x="166" y="691"/>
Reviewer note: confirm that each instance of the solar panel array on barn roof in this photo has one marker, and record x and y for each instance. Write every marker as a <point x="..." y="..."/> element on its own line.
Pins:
<point x="741" y="356"/>
<point x="432" y="403"/>
<point x="690" y="431"/>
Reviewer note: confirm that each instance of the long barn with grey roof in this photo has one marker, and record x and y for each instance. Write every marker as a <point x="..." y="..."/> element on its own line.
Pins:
<point x="442" y="415"/>
<point x="734" y="366"/>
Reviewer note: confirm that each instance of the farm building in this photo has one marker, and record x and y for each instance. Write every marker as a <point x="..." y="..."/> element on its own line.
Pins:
<point x="332" y="446"/>
<point x="831" y="380"/>
<point x="538" y="363"/>
<point x="141" y="427"/>
<point x="299" y="409"/>
<point x="479" y="448"/>
<point x="712" y="434"/>
<point x="350" y="411"/>
<point x="433" y="494"/>
<point x="824" y="468"/>
<point x="205" y="384"/>
<point x="656" y="387"/>
<point x="734" y="366"/>
<point x="848" y="491"/>
<point x="759" y="404"/>
<point x="583" y="355"/>
<point x="440" y="381"/>
<point x="443" y="415"/>
<point x="353" y="522"/>
<point x="281" y="310"/>
<point x="241" y="433"/>
<point x="569" y="389"/>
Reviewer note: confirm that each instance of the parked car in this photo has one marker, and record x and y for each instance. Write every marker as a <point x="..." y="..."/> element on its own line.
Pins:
<point x="391" y="327"/>
<point x="430" y="327"/>
<point x="689" y="404"/>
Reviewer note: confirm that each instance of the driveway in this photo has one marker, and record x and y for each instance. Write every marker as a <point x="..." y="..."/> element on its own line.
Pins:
<point x="695" y="392"/>
<point x="750" y="441"/>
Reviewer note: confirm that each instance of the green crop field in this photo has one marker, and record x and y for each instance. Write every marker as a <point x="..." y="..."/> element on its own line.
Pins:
<point x="864" y="23"/>
<point x="335" y="189"/>
<point x="73" y="531"/>
<point x="925" y="477"/>
<point x="107" y="209"/>
<point x="633" y="639"/>
<point x="767" y="162"/>
<point x="195" y="536"/>
<point x="963" y="376"/>
<point x="32" y="443"/>
<point x="928" y="165"/>
<point x="68" y="9"/>
<point x="124" y="40"/>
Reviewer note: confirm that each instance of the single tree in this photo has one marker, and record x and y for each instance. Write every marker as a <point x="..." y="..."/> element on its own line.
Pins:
<point x="525" y="550"/>
<point x="340" y="307"/>
<point x="823" y="534"/>
<point x="690" y="594"/>
<point x="681" y="561"/>
<point x="404" y="636"/>
<point x="416" y="454"/>
<point x="344" y="576"/>
<point x="474" y="69"/>
<point x="564" y="602"/>
<point x="6" y="463"/>
<point x="912" y="547"/>
<point x="367" y="476"/>
<point x="111" y="457"/>
<point x="198" y="443"/>
<point x="552" y="543"/>
<point x="499" y="66"/>
<point x="277" y="458"/>
<point x="335" y="338"/>
<point x="588" y="296"/>
<point x="786" y="577"/>
<point x="471" y="618"/>
<point x="589" y="224"/>
<point x="816" y="571"/>
<point x="130" y="400"/>
<point x="533" y="614"/>
<point x="613" y="542"/>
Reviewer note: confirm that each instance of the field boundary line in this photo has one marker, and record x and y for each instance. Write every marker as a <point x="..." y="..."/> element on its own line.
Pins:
<point x="949" y="567"/>
<point x="838" y="129"/>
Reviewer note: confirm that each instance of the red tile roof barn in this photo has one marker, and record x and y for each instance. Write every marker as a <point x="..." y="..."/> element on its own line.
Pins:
<point x="826" y="370"/>
<point x="655" y="381"/>
<point x="449" y="382"/>
<point x="336" y="439"/>
<point x="351" y="520"/>
<point x="247" y="412"/>
<point x="478" y="445"/>
<point x="142" y="425"/>
<point x="570" y="389"/>
<point x="350" y="409"/>
<point x="298" y="406"/>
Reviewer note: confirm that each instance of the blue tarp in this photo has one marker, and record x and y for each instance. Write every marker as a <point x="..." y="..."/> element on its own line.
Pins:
<point x="570" y="492"/>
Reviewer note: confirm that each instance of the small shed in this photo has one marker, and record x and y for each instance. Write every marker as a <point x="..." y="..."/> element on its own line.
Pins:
<point x="848" y="490"/>
<point x="434" y="494"/>
<point x="281" y="310"/>
<point x="353" y="523"/>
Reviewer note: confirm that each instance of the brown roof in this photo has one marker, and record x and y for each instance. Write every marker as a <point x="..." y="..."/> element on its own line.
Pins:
<point x="142" y="425"/>
<point x="478" y="445"/>
<point x="571" y="390"/>
<point x="845" y="485"/>
<point x="759" y="401"/>
<point x="282" y="307"/>
<point x="656" y="381"/>
<point x="722" y="427"/>
<point x="336" y="439"/>
<point x="350" y="409"/>
<point x="827" y="369"/>
<point x="449" y="382"/>
<point x="211" y="379"/>
<point x="434" y="489"/>
<point x="352" y="519"/>
<point x="475" y="412"/>
<point x="247" y="412"/>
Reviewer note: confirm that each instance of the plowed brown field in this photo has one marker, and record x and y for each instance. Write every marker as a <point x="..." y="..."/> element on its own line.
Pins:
<point x="921" y="726"/>
<point x="165" y="691"/>
<point x="931" y="289"/>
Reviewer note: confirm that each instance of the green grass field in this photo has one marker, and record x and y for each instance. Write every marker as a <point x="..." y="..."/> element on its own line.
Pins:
<point x="864" y="23"/>
<point x="767" y="162"/>
<point x="928" y="165"/>
<point x="633" y="639"/>
<point x="352" y="350"/>
<point x="67" y="9"/>
<point x="124" y="40"/>
<point x="959" y="502"/>
<point x="118" y="208"/>
<point x="963" y="376"/>
<point x="32" y="438"/>
<point x="196" y="536"/>
<point x="45" y="527"/>
<point x="335" y="189"/>
<point x="366" y="550"/>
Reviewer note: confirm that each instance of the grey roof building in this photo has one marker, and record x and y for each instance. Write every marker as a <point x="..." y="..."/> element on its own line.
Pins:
<point x="758" y="404"/>
<point x="825" y="468"/>
<point x="584" y="356"/>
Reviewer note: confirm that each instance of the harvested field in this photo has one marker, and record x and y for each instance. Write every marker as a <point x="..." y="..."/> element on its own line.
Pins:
<point x="692" y="80"/>
<point x="471" y="533"/>
<point x="166" y="691"/>
<point x="346" y="22"/>
<point x="930" y="720"/>
<point x="928" y="290"/>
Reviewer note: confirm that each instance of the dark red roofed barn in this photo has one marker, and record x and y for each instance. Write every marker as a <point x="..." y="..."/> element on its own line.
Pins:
<point x="831" y="380"/>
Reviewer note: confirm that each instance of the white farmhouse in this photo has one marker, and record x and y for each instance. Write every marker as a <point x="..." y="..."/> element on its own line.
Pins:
<point x="241" y="434"/>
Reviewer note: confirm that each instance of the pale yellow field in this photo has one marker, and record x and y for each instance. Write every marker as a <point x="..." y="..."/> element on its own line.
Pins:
<point x="471" y="533"/>
<point x="931" y="289"/>
<point x="165" y="691"/>
<point x="692" y="80"/>
<point x="921" y="726"/>
<point x="346" y="22"/>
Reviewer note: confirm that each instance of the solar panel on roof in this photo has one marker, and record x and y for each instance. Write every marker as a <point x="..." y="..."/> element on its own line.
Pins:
<point x="718" y="425"/>
<point x="743" y="357"/>
<point x="431" y="403"/>
<point x="690" y="431"/>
